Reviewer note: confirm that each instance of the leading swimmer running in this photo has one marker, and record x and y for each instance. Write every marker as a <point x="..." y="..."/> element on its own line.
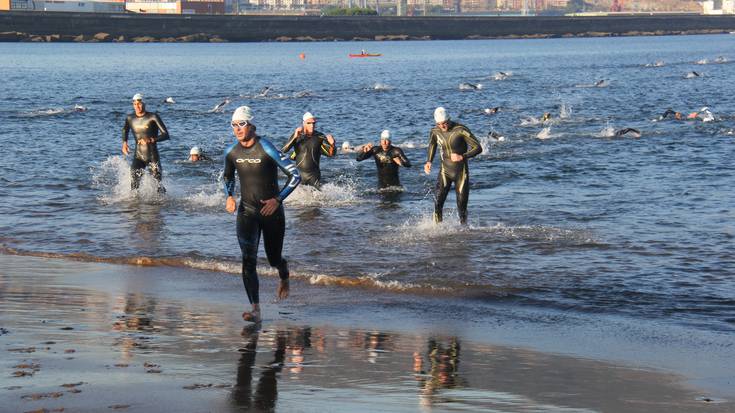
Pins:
<point x="387" y="158"/>
<point x="456" y="145"/>
<point x="309" y="145"/>
<point x="148" y="129"/>
<point x="256" y="161"/>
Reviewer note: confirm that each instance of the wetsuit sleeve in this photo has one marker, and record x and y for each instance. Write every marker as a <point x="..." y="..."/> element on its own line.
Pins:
<point x="229" y="175"/>
<point x="288" y="167"/>
<point x="473" y="145"/>
<point x="364" y="155"/>
<point x="291" y="142"/>
<point x="431" y="151"/>
<point x="327" y="148"/>
<point x="126" y="129"/>
<point x="162" y="131"/>
<point x="398" y="153"/>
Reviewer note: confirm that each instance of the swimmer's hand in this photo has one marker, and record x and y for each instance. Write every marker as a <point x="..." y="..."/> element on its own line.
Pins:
<point x="455" y="157"/>
<point x="427" y="168"/>
<point x="330" y="139"/>
<point x="125" y="149"/>
<point x="269" y="206"/>
<point x="230" y="205"/>
<point x="367" y="147"/>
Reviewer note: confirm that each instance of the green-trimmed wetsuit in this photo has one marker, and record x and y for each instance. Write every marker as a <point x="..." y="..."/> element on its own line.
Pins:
<point x="147" y="126"/>
<point x="387" y="168"/>
<point x="458" y="139"/>
<point x="308" y="150"/>
<point x="257" y="167"/>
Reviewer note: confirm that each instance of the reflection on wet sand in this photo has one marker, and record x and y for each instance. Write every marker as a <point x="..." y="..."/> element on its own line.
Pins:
<point x="208" y="362"/>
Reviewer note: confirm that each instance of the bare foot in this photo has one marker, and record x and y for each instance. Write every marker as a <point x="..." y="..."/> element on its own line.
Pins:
<point x="283" y="289"/>
<point x="251" y="316"/>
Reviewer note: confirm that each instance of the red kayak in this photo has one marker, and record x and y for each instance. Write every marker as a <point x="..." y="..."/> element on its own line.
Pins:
<point x="365" y="55"/>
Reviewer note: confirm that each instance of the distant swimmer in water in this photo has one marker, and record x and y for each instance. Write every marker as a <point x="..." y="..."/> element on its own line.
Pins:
<point x="169" y="100"/>
<point x="495" y="136"/>
<point x="346" y="148"/>
<point x="387" y="159"/>
<point x="196" y="155"/>
<point x="456" y="145"/>
<point x="218" y="107"/>
<point x="491" y="111"/>
<point x="148" y="129"/>
<point x="309" y="145"/>
<point x="79" y="108"/>
<point x="670" y="113"/>
<point x="546" y="117"/>
<point x="601" y="83"/>
<point x="692" y="74"/>
<point x="628" y="132"/>
<point x="704" y="114"/>
<point x="256" y="162"/>
<point x="469" y="86"/>
<point x="264" y="92"/>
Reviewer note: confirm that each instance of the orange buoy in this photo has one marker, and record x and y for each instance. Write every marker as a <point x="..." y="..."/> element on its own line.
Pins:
<point x="302" y="56"/>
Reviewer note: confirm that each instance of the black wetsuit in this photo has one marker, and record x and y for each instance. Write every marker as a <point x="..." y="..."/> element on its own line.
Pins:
<point x="257" y="168"/>
<point x="149" y="125"/>
<point x="458" y="139"/>
<point x="308" y="151"/>
<point x="387" y="168"/>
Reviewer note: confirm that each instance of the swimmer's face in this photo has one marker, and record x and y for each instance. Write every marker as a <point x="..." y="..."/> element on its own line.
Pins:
<point x="195" y="158"/>
<point x="309" y="126"/>
<point x="385" y="143"/>
<point x="242" y="130"/>
<point x="443" y="126"/>
<point x="139" y="106"/>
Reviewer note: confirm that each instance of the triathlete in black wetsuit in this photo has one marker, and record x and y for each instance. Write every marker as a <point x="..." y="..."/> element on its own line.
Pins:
<point x="257" y="161"/>
<point x="309" y="145"/>
<point x="387" y="158"/>
<point x="456" y="145"/>
<point x="148" y="129"/>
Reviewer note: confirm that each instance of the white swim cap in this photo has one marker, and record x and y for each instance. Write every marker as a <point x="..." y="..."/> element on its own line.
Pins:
<point x="195" y="151"/>
<point x="242" y="113"/>
<point x="308" y="116"/>
<point x="440" y="115"/>
<point x="345" y="145"/>
<point x="138" y="96"/>
<point x="385" y="135"/>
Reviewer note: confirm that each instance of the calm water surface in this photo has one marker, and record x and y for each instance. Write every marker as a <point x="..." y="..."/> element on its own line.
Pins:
<point x="564" y="218"/>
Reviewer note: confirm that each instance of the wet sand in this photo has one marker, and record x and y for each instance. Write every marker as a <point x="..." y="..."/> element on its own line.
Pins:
<point x="91" y="337"/>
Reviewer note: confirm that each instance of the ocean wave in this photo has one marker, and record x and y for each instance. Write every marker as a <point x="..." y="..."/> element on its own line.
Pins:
<point x="372" y="281"/>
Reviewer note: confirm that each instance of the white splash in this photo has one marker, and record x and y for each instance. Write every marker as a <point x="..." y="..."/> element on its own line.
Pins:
<point x="410" y="144"/>
<point x="331" y="194"/>
<point x="606" y="132"/>
<point x="545" y="133"/>
<point x="565" y="112"/>
<point x="531" y="121"/>
<point x="658" y="63"/>
<point x="380" y="87"/>
<point x="112" y="178"/>
<point x="701" y="62"/>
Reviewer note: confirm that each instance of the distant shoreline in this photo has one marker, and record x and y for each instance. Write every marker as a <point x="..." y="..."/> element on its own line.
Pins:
<point x="101" y="27"/>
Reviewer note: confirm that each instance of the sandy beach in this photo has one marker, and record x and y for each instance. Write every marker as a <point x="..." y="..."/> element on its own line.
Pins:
<point x="91" y="337"/>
